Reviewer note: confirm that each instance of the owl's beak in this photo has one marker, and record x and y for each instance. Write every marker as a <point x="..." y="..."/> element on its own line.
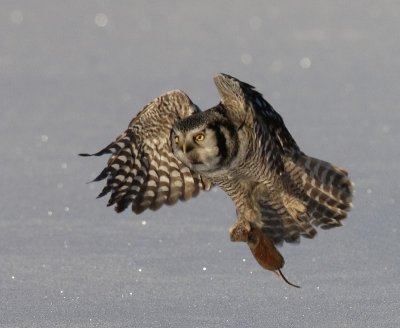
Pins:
<point x="184" y="148"/>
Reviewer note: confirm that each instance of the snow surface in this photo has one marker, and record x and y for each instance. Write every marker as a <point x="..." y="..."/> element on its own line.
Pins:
<point x="73" y="74"/>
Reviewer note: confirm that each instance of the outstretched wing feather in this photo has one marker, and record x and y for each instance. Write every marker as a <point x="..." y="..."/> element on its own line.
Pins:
<point x="246" y="106"/>
<point x="142" y="170"/>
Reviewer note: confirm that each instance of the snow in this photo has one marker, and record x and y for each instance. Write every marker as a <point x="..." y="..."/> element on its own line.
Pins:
<point x="305" y="62"/>
<point x="101" y="20"/>
<point x="73" y="76"/>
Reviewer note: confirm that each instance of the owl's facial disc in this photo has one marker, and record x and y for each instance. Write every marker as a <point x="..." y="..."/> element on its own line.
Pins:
<point x="198" y="149"/>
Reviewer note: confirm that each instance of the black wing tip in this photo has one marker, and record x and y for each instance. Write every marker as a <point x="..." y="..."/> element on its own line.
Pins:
<point x="99" y="153"/>
<point x="104" y="192"/>
<point x="103" y="174"/>
<point x="138" y="209"/>
<point x="121" y="206"/>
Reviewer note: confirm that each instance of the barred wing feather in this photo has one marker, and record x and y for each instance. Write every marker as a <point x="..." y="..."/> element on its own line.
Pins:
<point x="142" y="170"/>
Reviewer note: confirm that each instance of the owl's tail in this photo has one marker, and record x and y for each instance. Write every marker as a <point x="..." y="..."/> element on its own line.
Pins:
<point x="326" y="189"/>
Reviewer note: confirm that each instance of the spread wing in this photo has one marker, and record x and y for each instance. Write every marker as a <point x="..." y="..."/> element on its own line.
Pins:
<point x="316" y="192"/>
<point x="249" y="107"/>
<point x="142" y="170"/>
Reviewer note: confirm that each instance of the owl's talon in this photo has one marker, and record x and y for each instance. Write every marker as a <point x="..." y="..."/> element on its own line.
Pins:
<point x="240" y="231"/>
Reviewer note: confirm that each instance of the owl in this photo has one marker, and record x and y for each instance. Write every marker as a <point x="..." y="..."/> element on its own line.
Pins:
<point x="171" y="151"/>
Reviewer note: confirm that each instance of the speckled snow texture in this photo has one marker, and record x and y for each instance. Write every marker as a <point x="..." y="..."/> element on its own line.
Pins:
<point x="74" y="73"/>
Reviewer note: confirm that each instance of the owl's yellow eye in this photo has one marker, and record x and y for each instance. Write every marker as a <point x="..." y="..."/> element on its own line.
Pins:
<point x="176" y="139"/>
<point x="199" y="137"/>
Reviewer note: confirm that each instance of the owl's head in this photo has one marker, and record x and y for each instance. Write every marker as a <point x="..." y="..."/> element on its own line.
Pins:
<point x="204" y="142"/>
